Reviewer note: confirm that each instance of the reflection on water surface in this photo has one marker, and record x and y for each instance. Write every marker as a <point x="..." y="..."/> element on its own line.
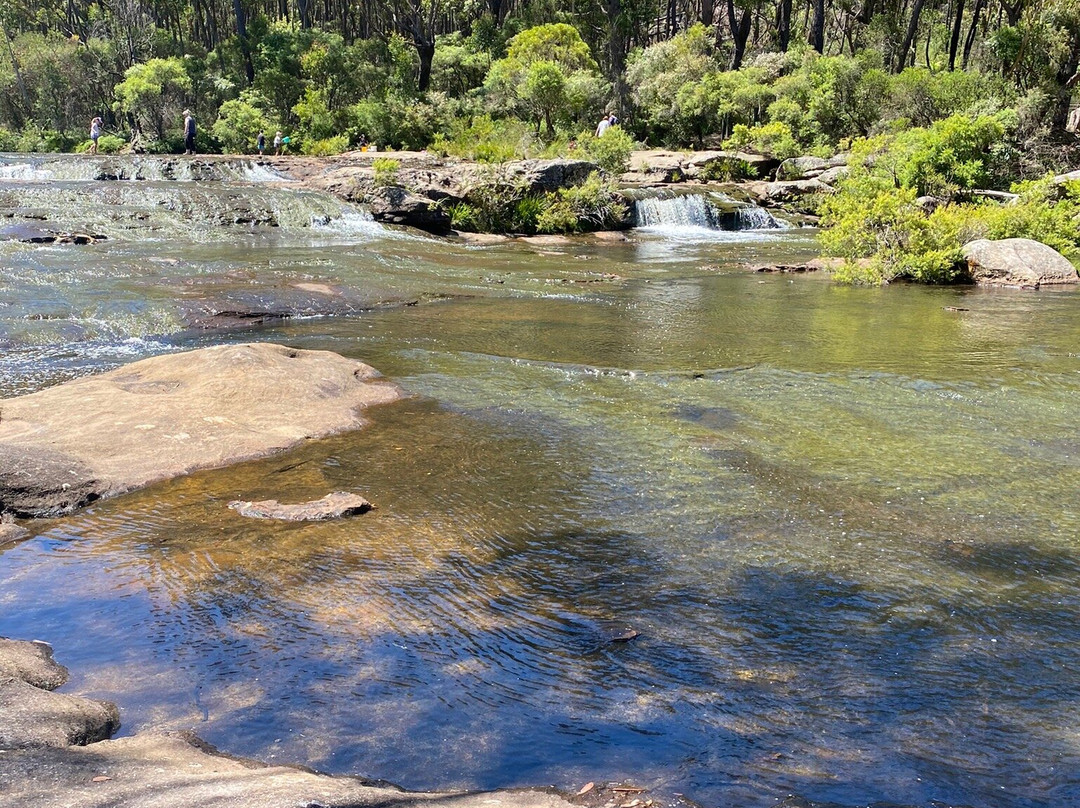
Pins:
<point x="840" y="519"/>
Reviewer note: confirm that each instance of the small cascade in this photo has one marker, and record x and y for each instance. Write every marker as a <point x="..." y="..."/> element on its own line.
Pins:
<point x="751" y="217"/>
<point x="689" y="210"/>
<point x="190" y="211"/>
<point x="700" y="211"/>
<point x="146" y="168"/>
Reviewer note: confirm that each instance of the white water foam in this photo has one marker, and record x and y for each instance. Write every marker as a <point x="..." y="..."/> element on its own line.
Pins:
<point x="256" y="172"/>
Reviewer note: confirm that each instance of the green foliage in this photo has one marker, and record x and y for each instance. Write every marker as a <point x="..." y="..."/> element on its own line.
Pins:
<point x="153" y="93"/>
<point x="547" y="76"/>
<point x="595" y="203"/>
<point x="107" y="144"/>
<point x="485" y="140"/>
<point x="875" y="225"/>
<point x="463" y="216"/>
<point x="557" y="217"/>
<point x="327" y="147"/>
<point x="386" y="171"/>
<point x="727" y="169"/>
<point x="393" y="122"/>
<point x="239" y="122"/>
<point x="774" y="139"/>
<point x="657" y="74"/>
<point x="611" y="151"/>
<point x="459" y="65"/>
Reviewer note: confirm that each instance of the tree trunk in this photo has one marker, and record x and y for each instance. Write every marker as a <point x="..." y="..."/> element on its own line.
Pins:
<point x="783" y="25"/>
<point x="740" y="32"/>
<point x="900" y="61"/>
<point x="1067" y="77"/>
<point x="617" y="47"/>
<point x="954" y="37"/>
<point x="817" y="27"/>
<point x="241" y="35"/>
<point x="426" y="51"/>
<point x="970" y="40"/>
<point x="708" y="12"/>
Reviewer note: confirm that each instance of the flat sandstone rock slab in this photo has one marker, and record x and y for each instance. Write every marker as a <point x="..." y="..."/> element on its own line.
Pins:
<point x="332" y="506"/>
<point x="171" y="771"/>
<point x="170" y="415"/>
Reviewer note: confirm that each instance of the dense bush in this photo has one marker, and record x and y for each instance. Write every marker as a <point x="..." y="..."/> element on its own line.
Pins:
<point x="875" y="224"/>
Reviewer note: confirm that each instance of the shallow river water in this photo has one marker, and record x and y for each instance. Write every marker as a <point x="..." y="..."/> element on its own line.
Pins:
<point x="843" y="520"/>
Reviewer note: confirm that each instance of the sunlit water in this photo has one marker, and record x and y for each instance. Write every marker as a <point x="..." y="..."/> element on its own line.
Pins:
<point x="843" y="520"/>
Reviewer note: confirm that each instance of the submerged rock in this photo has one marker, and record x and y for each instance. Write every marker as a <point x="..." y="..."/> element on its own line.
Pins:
<point x="1017" y="262"/>
<point x="332" y="506"/>
<point x="170" y="415"/>
<point x="9" y="531"/>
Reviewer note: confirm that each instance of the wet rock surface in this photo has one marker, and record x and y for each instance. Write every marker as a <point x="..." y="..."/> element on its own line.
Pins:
<point x="158" y="418"/>
<point x="332" y="506"/>
<point x="56" y="753"/>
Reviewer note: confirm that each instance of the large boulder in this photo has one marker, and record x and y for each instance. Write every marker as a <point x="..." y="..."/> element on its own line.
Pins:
<point x="786" y="192"/>
<point x="166" y="416"/>
<point x="808" y="167"/>
<point x="395" y="205"/>
<point x="1017" y="262"/>
<point x="551" y="175"/>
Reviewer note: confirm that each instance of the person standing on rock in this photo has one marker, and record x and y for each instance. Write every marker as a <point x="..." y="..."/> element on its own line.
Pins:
<point x="189" y="132"/>
<point x="260" y="143"/>
<point x="95" y="133"/>
<point x="277" y="143"/>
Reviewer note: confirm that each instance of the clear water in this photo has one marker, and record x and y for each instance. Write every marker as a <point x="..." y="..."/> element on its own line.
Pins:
<point x="843" y="520"/>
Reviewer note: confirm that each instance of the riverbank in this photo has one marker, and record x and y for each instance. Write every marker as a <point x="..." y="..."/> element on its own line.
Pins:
<point x="426" y="191"/>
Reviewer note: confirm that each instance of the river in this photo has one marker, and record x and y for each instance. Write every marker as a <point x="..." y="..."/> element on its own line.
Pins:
<point x="842" y="520"/>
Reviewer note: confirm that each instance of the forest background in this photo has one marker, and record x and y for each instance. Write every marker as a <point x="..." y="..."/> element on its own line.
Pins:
<point x="929" y="96"/>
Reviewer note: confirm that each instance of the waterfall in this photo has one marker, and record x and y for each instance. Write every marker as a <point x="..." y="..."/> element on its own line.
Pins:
<point x="701" y="211"/>
<point x="686" y="211"/>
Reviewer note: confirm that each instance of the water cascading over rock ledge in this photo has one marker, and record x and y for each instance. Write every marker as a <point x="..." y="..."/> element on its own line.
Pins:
<point x="712" y="211"/>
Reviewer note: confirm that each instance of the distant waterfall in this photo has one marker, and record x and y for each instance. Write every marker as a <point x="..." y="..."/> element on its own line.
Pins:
<point x="688" y="211"/>
<point x="712" y="212"/>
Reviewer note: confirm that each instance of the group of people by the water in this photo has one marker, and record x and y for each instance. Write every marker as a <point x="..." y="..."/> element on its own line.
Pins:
<point x="280" y="141"/>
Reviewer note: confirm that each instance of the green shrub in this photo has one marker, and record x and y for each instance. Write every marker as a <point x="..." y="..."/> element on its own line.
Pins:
<point x="611" y="151"/>
<point x="239" y="122"/>
<point x="527" y="212"/>
<point x="463" y="216"/>
<point x="386" y="171"/>
<point x="557" y="217"/>
<point x="328" y="146"/>
<point x="107" y="144"/>
<point x="774" y="139"/>
<point x="727" y="169"/>
<point x="595" y="204"/>
<point x="485" y="140"/>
